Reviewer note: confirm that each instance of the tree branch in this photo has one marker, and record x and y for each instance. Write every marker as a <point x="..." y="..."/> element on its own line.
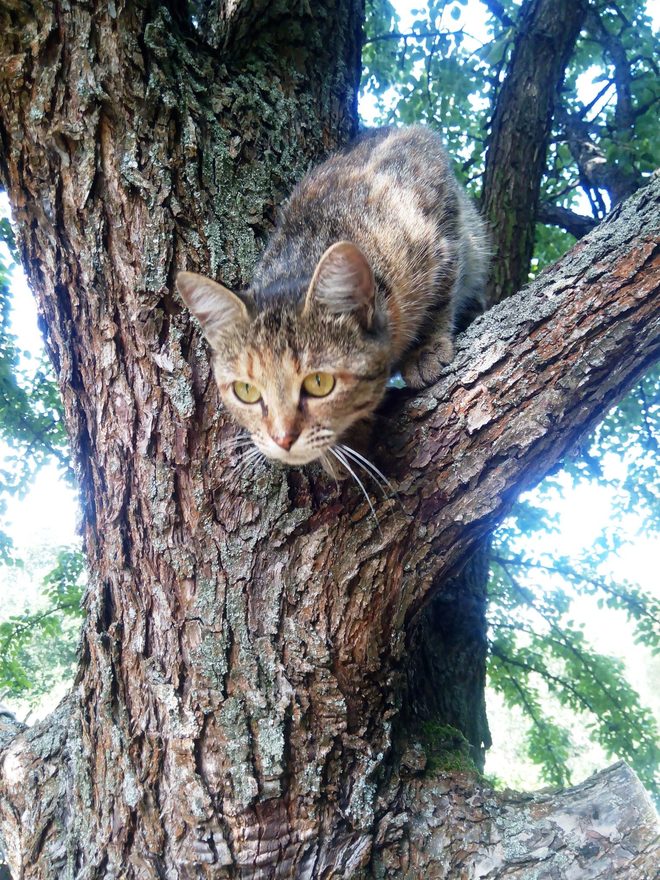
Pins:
<point x="632" y="605"/>
<point x="411" y="35"/>
<point x="592" y="162"/>
<point x="624" y="114"/>
<point x="520" y="132"/>
<point x="604" y="827"/>
<point x="529" y="378"/>
<point x="577" y="224"/>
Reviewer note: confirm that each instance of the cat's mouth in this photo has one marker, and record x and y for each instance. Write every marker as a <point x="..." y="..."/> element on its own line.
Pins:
<point x="296" y="456"/>
<point x="309" y="446"/>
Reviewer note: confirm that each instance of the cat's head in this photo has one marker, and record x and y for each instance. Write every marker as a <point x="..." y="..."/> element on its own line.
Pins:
<point x="299" y="367"/>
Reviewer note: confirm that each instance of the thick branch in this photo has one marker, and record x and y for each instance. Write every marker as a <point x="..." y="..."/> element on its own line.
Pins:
<point x="577" y="224"/>
<point x="604" y="828"/>
<point x="530" y="377"/>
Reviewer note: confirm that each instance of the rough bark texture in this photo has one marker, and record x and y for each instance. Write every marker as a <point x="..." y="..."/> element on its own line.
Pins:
<point x="520" y="129"/>
<point x="244" y="656"/>
<point x="445" y="665"/>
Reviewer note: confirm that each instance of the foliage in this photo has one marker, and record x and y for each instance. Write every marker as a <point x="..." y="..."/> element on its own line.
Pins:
<point x="31" y="424"/>
<point x="535" y="645"/>
<point x="430" y="72"/>
<point x="444" y="68"/>
<point x="37" y="644"/>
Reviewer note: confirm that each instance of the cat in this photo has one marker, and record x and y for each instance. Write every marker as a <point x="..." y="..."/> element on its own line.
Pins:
<point x="376" y="255"/>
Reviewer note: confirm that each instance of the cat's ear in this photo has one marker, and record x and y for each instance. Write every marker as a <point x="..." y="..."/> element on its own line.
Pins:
<point x="343" y="282"/>
<point x="216" y="308"/>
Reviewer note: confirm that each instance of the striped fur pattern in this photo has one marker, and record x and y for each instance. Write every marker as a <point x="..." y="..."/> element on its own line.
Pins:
<point x="375" y="254"/>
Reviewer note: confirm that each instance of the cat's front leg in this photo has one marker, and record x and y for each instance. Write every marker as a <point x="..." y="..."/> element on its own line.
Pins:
<point x="423" y="365"/>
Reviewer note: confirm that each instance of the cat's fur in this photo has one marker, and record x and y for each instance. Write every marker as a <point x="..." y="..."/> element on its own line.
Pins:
<point x="376" y="253"/>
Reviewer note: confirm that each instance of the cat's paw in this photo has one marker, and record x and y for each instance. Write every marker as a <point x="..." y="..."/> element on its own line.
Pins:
<point x="425" y="364"/>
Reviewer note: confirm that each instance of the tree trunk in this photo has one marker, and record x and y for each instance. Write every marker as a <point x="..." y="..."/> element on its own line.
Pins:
<point x="243" y="655"/>
<point x="446" y="667"/>
<point x="520" y="131"/>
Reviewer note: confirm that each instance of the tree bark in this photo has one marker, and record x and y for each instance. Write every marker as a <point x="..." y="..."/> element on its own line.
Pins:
<point x="243" y="657"/>
<point x="603" y="828"/>
<point x="445" y="665"/>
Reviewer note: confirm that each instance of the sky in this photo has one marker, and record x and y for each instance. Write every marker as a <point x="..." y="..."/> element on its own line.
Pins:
<point x="48" y="516"/>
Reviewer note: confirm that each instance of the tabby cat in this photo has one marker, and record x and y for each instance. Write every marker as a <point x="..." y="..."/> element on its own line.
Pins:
<point x="375" y="256"/>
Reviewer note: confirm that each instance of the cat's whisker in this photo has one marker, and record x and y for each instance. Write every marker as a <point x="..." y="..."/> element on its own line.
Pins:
<point x="244" y="451"/>
<point x="250" y="454"/>
<point x="236" y="442"/>
<point x="253" y="463"/>
<point x="377" y="474"/>
<point x="328" y="464"/>
<point x="236" y="454"/>
<point x="342" y="460"/>
<point x="237" y="450"/>
<point x="381" y="487"/>
<point x="245" y="459"/>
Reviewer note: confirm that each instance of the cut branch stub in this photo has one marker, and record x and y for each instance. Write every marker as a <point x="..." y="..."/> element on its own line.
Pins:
<point x="602" y="829"/>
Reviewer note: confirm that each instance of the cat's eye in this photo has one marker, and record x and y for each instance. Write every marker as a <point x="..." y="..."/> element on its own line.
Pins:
<point x="246" y="392"/>
<point x="319" y="384"/>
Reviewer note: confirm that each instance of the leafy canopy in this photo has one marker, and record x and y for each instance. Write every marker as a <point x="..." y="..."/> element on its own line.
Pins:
<point x="37" y="640"/>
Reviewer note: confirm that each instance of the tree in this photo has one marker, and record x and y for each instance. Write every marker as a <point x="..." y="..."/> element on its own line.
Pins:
<point x="246" y="647"/>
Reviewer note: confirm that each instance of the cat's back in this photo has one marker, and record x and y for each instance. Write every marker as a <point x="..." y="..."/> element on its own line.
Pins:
<point x="394" y="195"/>
<point x="385" y="170"/>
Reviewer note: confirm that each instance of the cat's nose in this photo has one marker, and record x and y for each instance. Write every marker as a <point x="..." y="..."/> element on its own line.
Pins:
<point x="286" y="440"/>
